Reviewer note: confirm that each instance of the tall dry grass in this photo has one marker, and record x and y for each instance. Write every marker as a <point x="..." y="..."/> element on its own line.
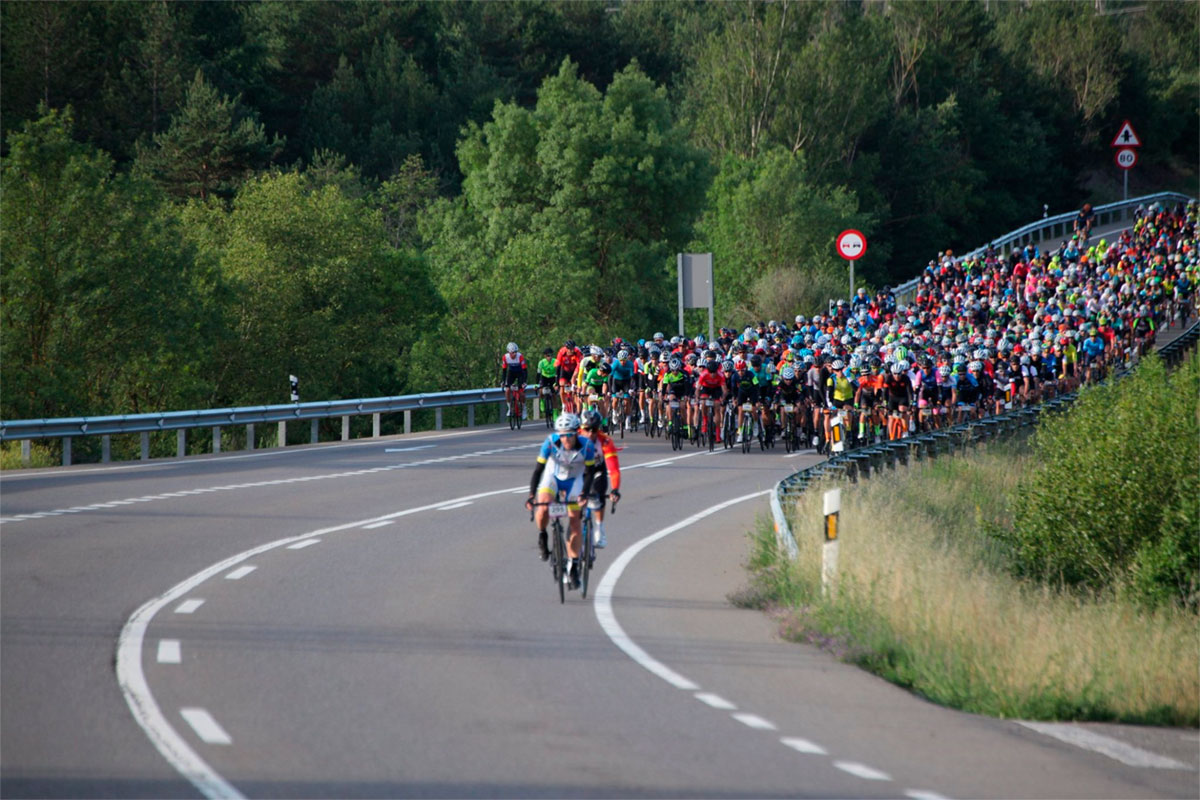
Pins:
<point x="920" y="598"/>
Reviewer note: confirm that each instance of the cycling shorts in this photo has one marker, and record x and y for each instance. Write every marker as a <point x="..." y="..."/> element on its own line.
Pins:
<point x="621" y="386"/>
<point x="895" y="403"/>
<point x="867" y="398"/>
<point x="747" y="393"/>
<point x="835" y="403"/>
<point x="549" y="487"/>
<point x="511" y="378"/>
<point x="711" y="391"/>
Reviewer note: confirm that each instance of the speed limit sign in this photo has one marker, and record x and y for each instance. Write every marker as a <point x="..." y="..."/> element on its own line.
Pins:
<point x="1126" y="157"/>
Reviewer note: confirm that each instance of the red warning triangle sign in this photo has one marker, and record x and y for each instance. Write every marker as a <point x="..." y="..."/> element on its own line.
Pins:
<point x="1126" y="137"/>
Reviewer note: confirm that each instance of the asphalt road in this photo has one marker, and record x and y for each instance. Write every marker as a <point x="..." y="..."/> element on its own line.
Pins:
<point x="397" y="636"/>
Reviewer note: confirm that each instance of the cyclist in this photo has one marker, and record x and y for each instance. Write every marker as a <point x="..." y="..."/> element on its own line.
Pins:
<point x="572" y="469"/>
<point x="546" y="374"/>
<point x="710" y="384"/>
<point x="762" y="379"/>
<point x="566" y="364"/>
<point x="899" y="399"/>
<point x="746" y="385"/>
<point x="676" y="385"/>
<point x="787" y="393"/>
<point x="513" y="375"/>
<point x="623" y="372"/>
<point x="839" y="395"/>
<point x="608" y="472"/>
<point x="595" y="387"/>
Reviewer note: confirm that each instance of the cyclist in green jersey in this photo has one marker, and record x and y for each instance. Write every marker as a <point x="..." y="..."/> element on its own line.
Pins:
<point x="547" y="375"/>
<point x="595" y="384"/>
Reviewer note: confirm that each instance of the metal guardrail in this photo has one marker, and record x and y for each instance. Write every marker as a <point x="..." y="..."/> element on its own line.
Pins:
<point x="865" y="461"/>
<point x="1057" y="227"/>
<point x="68" y="428"/>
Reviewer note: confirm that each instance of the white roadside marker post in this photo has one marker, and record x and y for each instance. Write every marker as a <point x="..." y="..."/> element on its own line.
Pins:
<point x="829" y="550"/>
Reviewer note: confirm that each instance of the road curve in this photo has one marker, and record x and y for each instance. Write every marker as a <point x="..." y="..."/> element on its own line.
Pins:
<point x="369" y="619"/>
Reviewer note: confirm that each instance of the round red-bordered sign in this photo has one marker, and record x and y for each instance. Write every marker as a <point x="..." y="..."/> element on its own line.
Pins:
<point x="851" y="244"/>
<point x="1126" y="157"/>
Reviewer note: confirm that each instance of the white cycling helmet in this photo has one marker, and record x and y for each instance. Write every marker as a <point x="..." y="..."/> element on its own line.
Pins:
<point x="623" y="355"/>
<point x="566" y="423"/>
<point x="837" y="365"/>
<point x="512" y="347"/>
<point x="596" y="351"/>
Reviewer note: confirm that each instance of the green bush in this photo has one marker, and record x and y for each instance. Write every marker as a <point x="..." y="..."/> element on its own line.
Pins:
<point x="1113" y="504"/>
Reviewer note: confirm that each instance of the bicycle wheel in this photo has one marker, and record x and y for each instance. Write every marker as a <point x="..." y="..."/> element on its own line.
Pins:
<point x="560" y="561"/>
<point x="747" y="432"/>
<point x="520" y="415"/>
<point x="585" y="556"/>
<point x="787" y="433"/>
<point x="676" y="432"/>
<point x="708" y="426"/>
<point x="512" y="422"/>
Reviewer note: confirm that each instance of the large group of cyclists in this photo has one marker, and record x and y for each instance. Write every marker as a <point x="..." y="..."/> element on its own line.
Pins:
<point x="980" y="335"/>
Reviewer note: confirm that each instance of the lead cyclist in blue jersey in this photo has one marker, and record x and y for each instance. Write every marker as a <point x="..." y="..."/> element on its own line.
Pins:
<point x="566" y="462"/>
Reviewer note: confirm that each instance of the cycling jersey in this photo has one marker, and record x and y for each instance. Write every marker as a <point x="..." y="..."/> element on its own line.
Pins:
<point x="839" y="387"/>
<point x="710" y="382"/>
<point x="676" y="384"/>
<point x="513" y="368"/>
<point x="594" y="380"/>
<point x="567" y="362"/>
<point x="546" y="368"/>
<point x="622" y="372"/>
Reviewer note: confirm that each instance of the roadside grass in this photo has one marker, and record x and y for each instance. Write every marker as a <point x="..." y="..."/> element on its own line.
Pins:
<point x="922" y="599"/>
<point x="39" y="456"/>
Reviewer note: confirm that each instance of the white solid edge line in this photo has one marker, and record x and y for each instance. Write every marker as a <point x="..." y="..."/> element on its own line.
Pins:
<point x="132" y="679"/>
<point x="304" y="544"/>
<point x="1105" y="745"/>
<point x="602" y="606"/>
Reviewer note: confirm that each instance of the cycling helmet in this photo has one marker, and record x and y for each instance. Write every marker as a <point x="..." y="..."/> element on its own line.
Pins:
<point x="512" y="347"/>
<point x="809" y="360"/>
<point x="566" y="423"/>
<point x="657" y="336"/>
<point x="974" y="366"/>
<point x="837" y="365"/>
<point x="676" y="340"/>
<point x="623" y="355"/>
<point x="691" y="359"/>
<point x="787" y="374"/>
<point x="549" y="351"/>
<point x="876" y="362"/>
<point x="591" y="419"/>
<point x="604" y="367"/>
<point x="903" y="365"/>
<point x="676" y="364"/>
<point x="944" y="371"/>
<point x="728" y="365"/>
<point x="570" y="344"/>
<point x="711" y="365"/>
<point x="896" y="370"/>
<point x="756" y="360"/>
<point x="664" y="358"/>
<point x="596" y="351"/>
<point x="1025" y="361"/>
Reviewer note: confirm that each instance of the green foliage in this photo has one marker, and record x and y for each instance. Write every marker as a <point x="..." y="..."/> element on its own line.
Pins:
<point x="318" y="292"/>
<point x="97" y="281"/>
<point x="212" y="144"/>
<point x="1113" y="505"/>
<point x="569" y="220"/>
<point x="770" y="226"/>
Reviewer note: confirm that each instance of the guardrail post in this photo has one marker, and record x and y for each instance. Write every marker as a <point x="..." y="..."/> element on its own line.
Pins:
<point x="282" y="435"/>
<point x="145" y="446"/>
<point x="345" y="428"/>
<point x="471" y="416"/>
<point x="407" y="420"/>
<point x="181" y="443"/>
<point x="250" y="436"/>
<point x="105" y="449"/>
<point x="313" y="432"/>
<point x="25" y="454"/>
<point x="375" y="425"/>
<point x="217" y="439"/>
<point x="437" y="418"/>
<point x="66" y="451"/>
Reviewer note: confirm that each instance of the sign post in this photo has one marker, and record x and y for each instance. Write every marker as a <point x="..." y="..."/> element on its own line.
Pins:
<point x="1126" y="156"/>
<point x="851" y="245"/>
<point x="696" y="286"/>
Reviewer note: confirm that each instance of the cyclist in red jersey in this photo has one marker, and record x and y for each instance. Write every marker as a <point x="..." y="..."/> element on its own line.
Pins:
<point x="608" y="472"/>
<point x="710" y="383"/>
<point x="565" y="364"/>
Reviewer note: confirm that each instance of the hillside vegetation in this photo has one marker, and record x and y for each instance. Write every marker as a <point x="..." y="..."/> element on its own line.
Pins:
<point x="201" y="198"/>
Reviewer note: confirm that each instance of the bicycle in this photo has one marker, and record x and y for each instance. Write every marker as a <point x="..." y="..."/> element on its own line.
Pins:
<point x="546" y="398"/>
<point x="557" y="510"/>
<point x="707" y="431"/>
<point x="587" y="554"/>
<point x="789" y="429"/>
<point x="676" y="429"/>
<point x="516" y="406"/>
<point x="620" y="412"/>
<point x="747" y="426"/>
<point x="729" y="424"/>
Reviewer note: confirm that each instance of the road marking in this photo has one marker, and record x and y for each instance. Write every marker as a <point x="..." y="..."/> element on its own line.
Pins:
<point x="603" y="602"/>
<point x="715" y="700"/>
<point x="205" y="726"/>
<point x="454" y="505"/>
<point x="189" y="606"/>
<point x="304" y="544"/>
<point x="862" y="771"/>
<point x="755" y="721"/>
<point x="804" y="745"/>
<point x="374" y="525"/>
<point x="240" y="573"/>
<point x="408" y="449"/>
<point x="1105" y="745"/>
<point x="917" y="794"/>
<point x="168" y="651"/>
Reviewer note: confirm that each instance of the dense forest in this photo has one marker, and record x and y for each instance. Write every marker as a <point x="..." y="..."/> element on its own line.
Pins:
<point x="199" y="198"/>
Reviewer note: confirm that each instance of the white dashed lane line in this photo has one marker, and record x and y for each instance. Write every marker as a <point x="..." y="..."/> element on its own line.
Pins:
<point x="803" y="745"/>
<point x="240" y="573"/>
<point x="716" y="701"/>
<point x="862" y="771"/>
<point x="189" y="606"/>
<point x="755" y="721"/>
<point x="169" y="651"/>
<point x="207" y="728"/>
